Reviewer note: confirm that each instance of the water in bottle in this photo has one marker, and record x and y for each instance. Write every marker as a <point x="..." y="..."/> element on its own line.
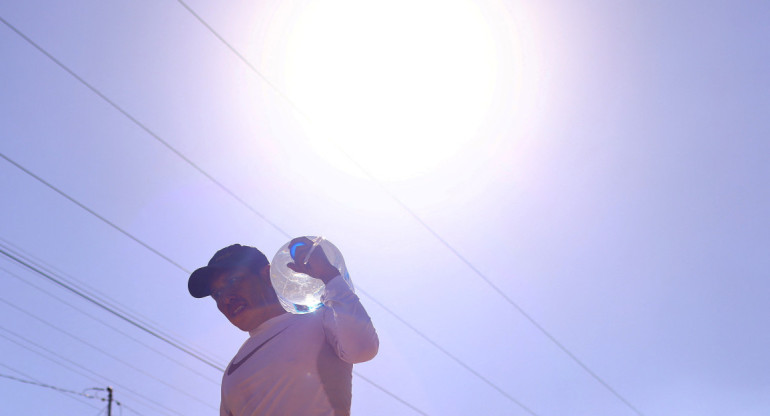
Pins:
<point x="298" y="292"/>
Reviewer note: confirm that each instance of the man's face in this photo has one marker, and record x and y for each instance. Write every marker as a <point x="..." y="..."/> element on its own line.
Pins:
<point x="242" y="296"/>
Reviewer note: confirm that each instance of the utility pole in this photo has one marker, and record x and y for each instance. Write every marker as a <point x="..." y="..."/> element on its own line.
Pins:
<point x="109" y="401"/>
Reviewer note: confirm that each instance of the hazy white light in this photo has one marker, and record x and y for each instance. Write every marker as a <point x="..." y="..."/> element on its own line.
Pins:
<point x="399" y="85"/>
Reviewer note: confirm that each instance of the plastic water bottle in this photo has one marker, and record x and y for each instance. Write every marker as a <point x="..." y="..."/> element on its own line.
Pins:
<point x="298" y="292"/>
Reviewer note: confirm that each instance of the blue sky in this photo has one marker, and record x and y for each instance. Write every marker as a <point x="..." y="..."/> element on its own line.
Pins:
<point x="603" y="164"/>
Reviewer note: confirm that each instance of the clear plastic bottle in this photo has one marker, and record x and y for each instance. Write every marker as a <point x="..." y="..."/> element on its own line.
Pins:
<point x="298" y="292"/>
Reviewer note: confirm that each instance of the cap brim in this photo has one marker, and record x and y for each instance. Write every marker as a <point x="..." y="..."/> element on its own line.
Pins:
<point x="199" y="283"/>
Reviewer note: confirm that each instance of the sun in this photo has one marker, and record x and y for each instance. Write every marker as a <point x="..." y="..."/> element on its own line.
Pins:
<point x="399" y="86"/>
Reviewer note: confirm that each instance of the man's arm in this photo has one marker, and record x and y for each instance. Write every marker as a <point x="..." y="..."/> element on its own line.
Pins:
<point x="348" y="328"/>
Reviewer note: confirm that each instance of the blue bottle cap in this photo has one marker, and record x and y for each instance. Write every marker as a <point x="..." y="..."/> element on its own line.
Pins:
<point x="293" y="249"/>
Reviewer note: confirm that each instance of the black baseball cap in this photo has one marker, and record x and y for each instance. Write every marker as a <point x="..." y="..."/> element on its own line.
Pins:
<point x="229" y="257"/>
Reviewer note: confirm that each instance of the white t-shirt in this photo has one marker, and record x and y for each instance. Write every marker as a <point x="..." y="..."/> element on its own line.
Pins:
<point x="301" y="364"/>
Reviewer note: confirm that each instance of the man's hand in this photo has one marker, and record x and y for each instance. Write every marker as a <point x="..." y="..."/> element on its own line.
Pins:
<point x="317" y="265"/>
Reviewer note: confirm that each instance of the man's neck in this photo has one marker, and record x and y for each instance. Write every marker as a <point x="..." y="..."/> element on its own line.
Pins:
<point x="268" y="313"/>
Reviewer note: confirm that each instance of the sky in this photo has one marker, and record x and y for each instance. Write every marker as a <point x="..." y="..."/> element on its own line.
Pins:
<point x="549" y="208"/>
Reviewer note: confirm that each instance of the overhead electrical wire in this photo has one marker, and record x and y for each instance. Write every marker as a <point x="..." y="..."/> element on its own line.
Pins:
<point x="419" y="220"/>
<point x="59" y="389"/>
<point x="118" y="359"/>
<point x="103" y="297"/>
<point x="123" y="406"/>
<point x="108" y="309"/>
<point x="88" y="396"/>
<point x="67" y="392"/>
<point x="137" y="396"/>
<point x="48" y="386"/>
<point x="99" y="378"/>
<point x="63" y="390"/>
<point x="90" y="316"/>
<point x="89" y="210"/>
<point x="137" y="122"/>
<point x="31" y="380"/>
<point x="95" y="293"/>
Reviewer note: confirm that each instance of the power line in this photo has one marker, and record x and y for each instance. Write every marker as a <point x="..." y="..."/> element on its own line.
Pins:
<point x="82" y="341"/>
<point x="110" y="310"/>
<point x="457" y="360"/>
<point x="90" y="211"/>
<point x="419" y="220"/>
<point x="166" y="356"/>
<point x="123" y="406"/>
<point x="95" y="293"/>
<point x="241" y="57"/>
<point x="88" y="396"/>
<point x="404" y="402"/>
<point x="58" y="356"/>
<point x="31" y="380"/>
<point x="62" y="390"/>
<point x="59" y="389"/>
<point x="139" y="124"/>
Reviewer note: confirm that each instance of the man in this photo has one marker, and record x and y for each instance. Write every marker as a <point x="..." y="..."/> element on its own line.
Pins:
<point x="291" y="364"/>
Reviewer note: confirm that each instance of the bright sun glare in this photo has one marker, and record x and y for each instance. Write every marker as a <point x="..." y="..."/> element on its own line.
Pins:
<point x="400" y="85"/>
